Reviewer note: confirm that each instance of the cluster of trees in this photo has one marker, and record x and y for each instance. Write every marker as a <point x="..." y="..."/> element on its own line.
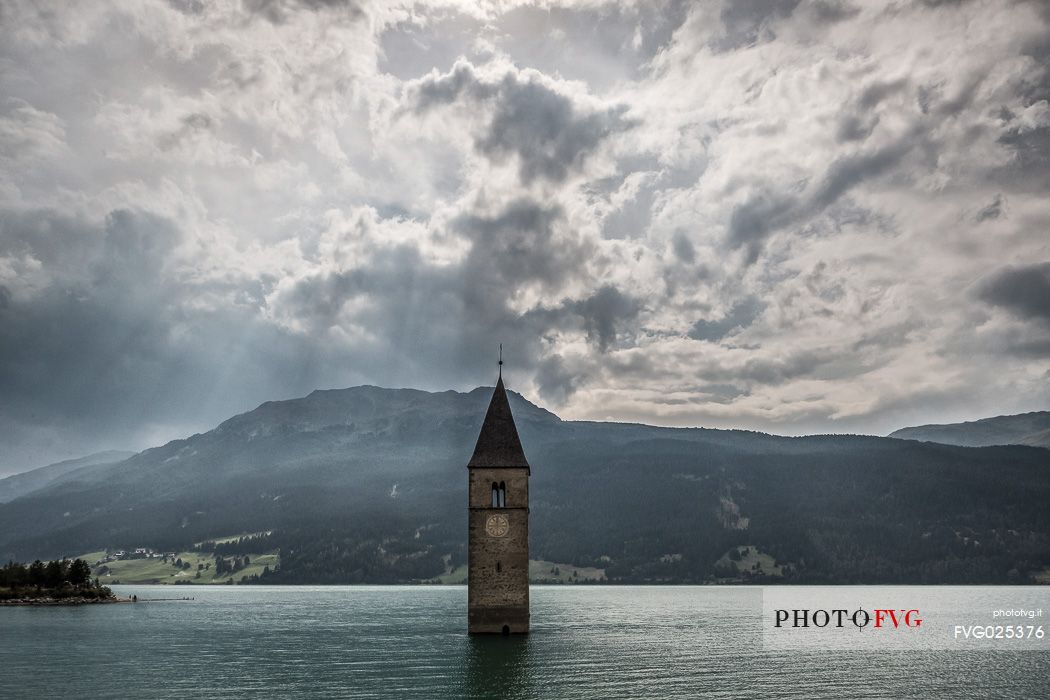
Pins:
<point x="230" y="566"/>
<point x="49" y="575"/>
<point x="56" y="578"/>
<point x="241" y="545"/>
<point x="360" y="551"/>
<point x="256" y="578"/>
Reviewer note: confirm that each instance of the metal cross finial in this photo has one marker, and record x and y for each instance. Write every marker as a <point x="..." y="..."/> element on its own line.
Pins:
<point x="501" y="360"/>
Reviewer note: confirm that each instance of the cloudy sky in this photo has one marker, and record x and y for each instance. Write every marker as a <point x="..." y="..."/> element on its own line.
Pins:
<point x="787" y="215"/>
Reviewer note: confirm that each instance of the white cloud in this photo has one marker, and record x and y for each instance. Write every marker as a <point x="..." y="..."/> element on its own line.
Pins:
<point x="771" y="215"/>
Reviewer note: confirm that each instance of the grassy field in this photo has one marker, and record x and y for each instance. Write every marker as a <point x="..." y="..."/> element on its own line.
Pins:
<point x="157" y="571"/>
<point x="752" y="560"/>
<point x="455" y="577"/>
<point x="539" y="572"/>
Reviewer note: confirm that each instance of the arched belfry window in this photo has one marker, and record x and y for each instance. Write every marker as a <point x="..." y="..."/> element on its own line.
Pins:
<point x="495" y="495"/>
<point x="502" y="494"/>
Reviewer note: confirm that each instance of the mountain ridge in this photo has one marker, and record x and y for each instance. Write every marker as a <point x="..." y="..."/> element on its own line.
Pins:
<point x="1032" y="428"/>
<point x="16" y="485"/>
<point x="367" y="484"/>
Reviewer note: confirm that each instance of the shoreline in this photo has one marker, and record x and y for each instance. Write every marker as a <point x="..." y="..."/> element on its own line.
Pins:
<point x="55" y="602"/>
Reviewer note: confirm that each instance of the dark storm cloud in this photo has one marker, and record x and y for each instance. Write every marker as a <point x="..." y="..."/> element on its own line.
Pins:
<point x="992" y="211"/>
<point x="780" y="370"/>
<point x="847" y="172"/>
<point x="683" y="248"/>
<point x="556" y="381"/>
<point x="278" y="11"/>
<point x="941" y="3"/>
<point x="545" y="129"/>
<point x="740" y="316"/>
<point x="856" y="127"/>
<point x="831" y="11"/>
<point x="128" y="245"/>
<point x="189" y="7"/>
<point x="606" y="317"/>
<point x="522" y="243"/>
<point x="934" y="100"/>
<point x="420" y="313"/>
<point x="444" y="318"/>
<point x="447" y="88"/>
<point x="426" y="325"/>
<point x="1031" y="343"/>
<point x="1023" y="290"/>
<point x="859" y="118"/>
<point x="878" y="90"/>
<point x="604" y="312"/>
<point x="753" y="221"/>
<point x="748" y="22"/>
<point x="74" y="351"/>
<point x="109" y="346"/>
<point x="770" y="371"/>
<point x="1031" y="147"/>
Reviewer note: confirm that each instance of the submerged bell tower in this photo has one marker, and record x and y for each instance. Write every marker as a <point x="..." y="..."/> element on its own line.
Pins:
<point x="498" y="529"/>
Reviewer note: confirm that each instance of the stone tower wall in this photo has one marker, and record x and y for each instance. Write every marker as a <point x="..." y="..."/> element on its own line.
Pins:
<point x="498" y="577"/>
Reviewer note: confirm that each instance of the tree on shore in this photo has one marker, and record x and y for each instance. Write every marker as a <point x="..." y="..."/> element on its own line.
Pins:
<point x="58" y="578"/>
<point x="79" y="573"/>
<point x="55" y="573"/>
<point x="36" y="574"/>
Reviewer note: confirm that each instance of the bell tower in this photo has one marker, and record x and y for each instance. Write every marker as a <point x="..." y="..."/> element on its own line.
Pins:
<point x="498" y="530"/>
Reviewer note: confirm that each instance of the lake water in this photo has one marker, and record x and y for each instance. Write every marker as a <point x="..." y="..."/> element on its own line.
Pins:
<point x="409" y="642"/>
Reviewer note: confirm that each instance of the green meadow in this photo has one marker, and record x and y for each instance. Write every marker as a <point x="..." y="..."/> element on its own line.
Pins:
<point x="201" y="568"/>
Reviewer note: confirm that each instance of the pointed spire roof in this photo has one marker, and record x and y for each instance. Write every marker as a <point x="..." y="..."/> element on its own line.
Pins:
<point x="498" y="443"/>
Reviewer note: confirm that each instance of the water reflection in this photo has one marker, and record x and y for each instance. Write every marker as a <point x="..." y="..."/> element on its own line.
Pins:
<point x="497" y="667"/>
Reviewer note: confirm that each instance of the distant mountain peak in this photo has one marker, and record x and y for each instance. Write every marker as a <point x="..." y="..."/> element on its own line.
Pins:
<point x="18" y="485"/>
<point x="360" y="406"/>
<point x="1031" y="428"/>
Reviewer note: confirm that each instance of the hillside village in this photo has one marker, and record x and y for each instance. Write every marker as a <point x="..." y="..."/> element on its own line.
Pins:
<point x="203" y="565"/>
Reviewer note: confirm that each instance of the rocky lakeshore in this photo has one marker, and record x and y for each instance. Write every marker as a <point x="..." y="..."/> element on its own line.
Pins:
<point x="59" y="582"/>
<point x="75" y="600"/>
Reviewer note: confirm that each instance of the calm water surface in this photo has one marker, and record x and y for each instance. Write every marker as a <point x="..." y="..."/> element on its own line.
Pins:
<point x="409" y="642"/>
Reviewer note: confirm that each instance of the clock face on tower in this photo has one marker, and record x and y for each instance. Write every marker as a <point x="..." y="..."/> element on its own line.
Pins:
<point x="497" y="525"/>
